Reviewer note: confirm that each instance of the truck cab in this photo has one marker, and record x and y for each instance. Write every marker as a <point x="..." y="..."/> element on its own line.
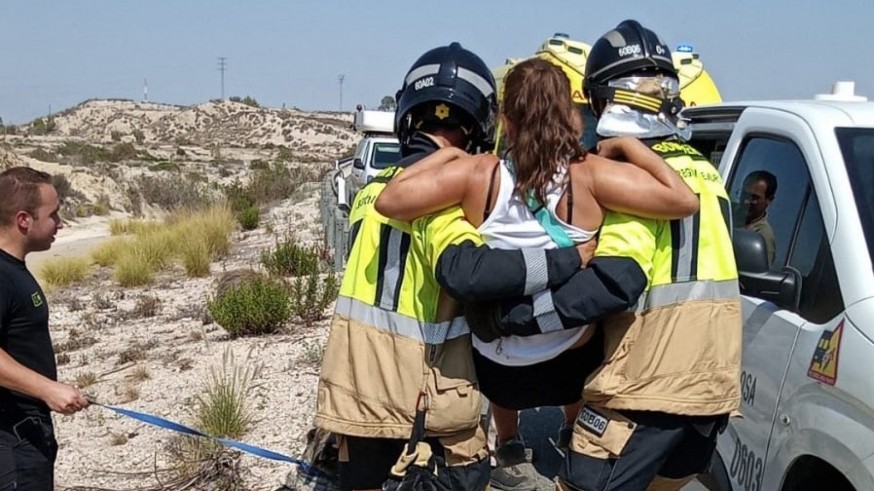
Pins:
<point x="808" y="297"/>
<point x="378" y="148"/>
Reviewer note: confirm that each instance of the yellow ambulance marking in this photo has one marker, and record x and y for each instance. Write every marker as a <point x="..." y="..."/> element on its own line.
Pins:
<point x="824" y="364"/>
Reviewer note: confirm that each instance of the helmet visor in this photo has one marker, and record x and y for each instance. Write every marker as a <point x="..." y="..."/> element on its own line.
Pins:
<point x="661" y="87"/>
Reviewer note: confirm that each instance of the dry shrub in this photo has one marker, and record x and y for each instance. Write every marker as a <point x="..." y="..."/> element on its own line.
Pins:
<point x="133" y="269"/>
<point x="146" y="306"/>
<point x="85" y="379"/>
<point x="213" y="226"/>
<point x="107" y="253"/>
<point x="63" y="271"/>
<point x="130" y="394"/>
<point x="116" y="439"/>
<point x="134" y="352"/>
<point x="194" y="237"/>
<point x="195" y="258"/>
<point x="170" y="193"/>
<point x="75" y="341"/>
<point x="140" y="373"/>
<point x="232" y="279"/>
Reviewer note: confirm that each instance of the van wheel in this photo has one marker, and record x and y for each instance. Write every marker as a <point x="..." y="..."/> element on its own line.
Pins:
<point x="717" y="478"/>
<point x="812" y="474"/>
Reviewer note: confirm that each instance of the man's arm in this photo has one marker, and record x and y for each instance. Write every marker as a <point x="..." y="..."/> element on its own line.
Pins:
<point x="608" y="285"/>
<point x="14" y="376"/>
<point x="612" y="282"/>
<point x="473" y="272"/>
<point x="59" y="397"/>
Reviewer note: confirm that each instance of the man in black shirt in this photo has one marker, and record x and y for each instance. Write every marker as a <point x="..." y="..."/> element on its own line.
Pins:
<point x="29" y="389"/>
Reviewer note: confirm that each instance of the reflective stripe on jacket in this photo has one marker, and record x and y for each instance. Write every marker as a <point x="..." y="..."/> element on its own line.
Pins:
<point x="679" y="350"/>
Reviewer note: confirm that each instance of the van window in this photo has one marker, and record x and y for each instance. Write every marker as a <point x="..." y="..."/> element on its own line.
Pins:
<point x="771" y="193"/>
<point x="385" y="155"/>
<point x="857" y="146"/>
<point x="780" y="162"/>
<point x="811" y="256"/>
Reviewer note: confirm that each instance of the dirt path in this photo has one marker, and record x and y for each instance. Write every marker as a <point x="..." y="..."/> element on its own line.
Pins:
<point x="75" y="239"/>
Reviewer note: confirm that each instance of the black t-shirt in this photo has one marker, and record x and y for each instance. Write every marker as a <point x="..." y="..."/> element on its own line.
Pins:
<point x="24" y="329"/>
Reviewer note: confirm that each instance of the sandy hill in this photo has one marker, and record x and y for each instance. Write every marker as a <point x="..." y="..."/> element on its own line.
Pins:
<point x="225" y="122"/>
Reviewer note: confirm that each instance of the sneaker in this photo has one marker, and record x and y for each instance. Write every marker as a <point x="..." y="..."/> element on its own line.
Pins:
<point x="519" y="477"/>
<point x="564" y="436"/>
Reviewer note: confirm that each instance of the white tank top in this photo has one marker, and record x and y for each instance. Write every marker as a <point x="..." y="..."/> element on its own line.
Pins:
<point x="512" y="225"/>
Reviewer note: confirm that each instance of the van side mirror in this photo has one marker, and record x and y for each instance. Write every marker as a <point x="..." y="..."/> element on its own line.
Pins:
<point x="756" y="278"/>
<point x="358" y="164"/>
<point x="750" y="251"/>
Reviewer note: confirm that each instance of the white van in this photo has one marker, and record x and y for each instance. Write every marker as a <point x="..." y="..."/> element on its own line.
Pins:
<point x="808" y="346"/>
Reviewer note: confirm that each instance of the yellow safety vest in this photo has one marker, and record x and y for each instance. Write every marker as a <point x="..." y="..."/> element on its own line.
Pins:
<point x="679" y="350"/>
<point x="394" y="334"/>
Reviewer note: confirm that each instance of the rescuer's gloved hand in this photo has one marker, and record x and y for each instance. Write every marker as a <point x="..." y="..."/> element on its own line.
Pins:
<point x="484" y="319"/>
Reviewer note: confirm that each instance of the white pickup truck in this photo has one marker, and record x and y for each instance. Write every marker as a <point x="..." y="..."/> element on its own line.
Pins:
<point x="808" y="346"/>
<point x="377" y="149"/>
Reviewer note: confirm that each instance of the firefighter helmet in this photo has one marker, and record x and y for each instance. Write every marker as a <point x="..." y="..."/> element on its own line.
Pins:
<point x="448" y="86"/>
<point x="628" y="50"/>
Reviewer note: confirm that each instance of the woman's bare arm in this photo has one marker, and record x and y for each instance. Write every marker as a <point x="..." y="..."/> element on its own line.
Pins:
<point x="433" y="161"/>
<point x="647" y="187"/>
<point x="438" y="184"/>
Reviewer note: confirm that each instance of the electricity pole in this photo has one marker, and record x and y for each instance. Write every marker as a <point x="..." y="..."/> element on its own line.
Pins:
<point x="222" y="67"/>
<point x="340" y="79"/>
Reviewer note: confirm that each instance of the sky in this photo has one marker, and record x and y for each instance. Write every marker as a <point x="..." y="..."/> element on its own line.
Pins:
<point x="56" y="54"/>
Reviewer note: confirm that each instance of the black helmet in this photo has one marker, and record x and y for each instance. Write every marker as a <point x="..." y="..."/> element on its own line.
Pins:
<point x="629" y="49"/>
<point x="448" y="86"/>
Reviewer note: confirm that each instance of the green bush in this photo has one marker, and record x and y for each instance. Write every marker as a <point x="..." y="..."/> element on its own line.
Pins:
<point x="122" y="151"/>
<point x="41" y="154"/>
<point x="164" y="165"/>
<point x="65" y="190"/>
<point x="278" y="182"/>
<point x="310" y="296"/>
<point x="249" y="218"/>
<point x="223" y="408"/>
<point x="285" y="153"/>
<point x="289" y="258"/>
<point x="256" y="306"/>
<point x="169" y="193"/>
<point x="258" y="164"/>
<point x="83" y="153"/>
<point x="240" y="197"/>
<point x="248" y="100"/>
<point x="42" y="126"/>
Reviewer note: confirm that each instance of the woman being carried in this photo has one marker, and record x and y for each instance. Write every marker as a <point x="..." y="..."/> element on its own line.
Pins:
<point x="545" y="164"/>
